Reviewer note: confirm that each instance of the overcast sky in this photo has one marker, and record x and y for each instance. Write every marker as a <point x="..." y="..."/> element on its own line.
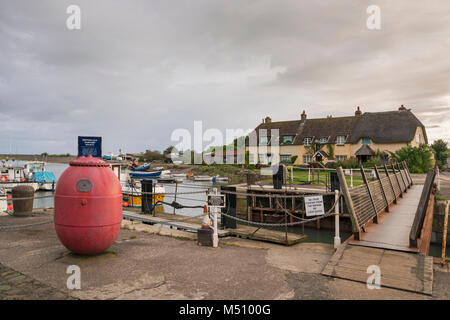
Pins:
<point x="137" y="70"/>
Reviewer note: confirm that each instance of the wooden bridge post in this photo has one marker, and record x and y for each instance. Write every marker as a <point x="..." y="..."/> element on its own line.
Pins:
<point x="348" y="199"/>
<point x="398" y="181"/>
<point x="405" y="165"/>
<point x="390" y="182"/>
<point x="401" y="176"/>
<point x="408" y="177"/>
<point x="363" y="174"/>
<point x="382" y="190"/>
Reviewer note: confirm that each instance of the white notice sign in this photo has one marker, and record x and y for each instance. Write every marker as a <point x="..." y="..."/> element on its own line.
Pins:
<point x="314" y="206"/>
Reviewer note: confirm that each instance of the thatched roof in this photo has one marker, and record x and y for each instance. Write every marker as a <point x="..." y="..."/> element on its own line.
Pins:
<point x="387" y="127"/>
<point x="328" y="128"/>
<point x="381" y="127"/>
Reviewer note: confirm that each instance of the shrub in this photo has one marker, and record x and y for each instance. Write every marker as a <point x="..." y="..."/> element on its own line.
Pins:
<point x="419" y="159"/>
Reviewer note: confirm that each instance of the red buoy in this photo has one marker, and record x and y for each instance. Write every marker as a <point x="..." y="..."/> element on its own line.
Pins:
<point x="88" y="206"/>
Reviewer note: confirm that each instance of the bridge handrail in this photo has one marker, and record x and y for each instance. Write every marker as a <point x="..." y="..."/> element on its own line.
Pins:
<point x="367" y="201"/>
<point x="419" y="217"/>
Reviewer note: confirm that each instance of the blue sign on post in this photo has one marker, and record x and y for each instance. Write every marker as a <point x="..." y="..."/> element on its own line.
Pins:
<point x="90" y="146"/>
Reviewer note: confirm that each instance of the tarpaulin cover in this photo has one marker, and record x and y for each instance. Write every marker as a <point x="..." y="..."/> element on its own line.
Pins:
<point x="44" y="176"/>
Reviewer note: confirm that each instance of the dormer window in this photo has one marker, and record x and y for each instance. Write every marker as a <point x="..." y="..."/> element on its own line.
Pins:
<point x="365" y="140"/>
<point x="340" y="140"/>
<point x="323" y="140"/>
<point x="263" y="140"/>
<point x="287" y="139"/>
<point x="307" y="141"/>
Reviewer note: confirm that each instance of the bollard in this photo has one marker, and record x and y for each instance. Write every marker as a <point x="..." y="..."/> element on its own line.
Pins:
<point x="23" y="198"/>
<point x="337" y="238"/>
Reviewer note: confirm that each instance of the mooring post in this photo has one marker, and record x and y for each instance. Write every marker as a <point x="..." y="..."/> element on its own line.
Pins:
<point x="337" y="238"/>
<point x="444" y="233"/>
<point x="438" y="179"/>
<point x="215" y="234"/>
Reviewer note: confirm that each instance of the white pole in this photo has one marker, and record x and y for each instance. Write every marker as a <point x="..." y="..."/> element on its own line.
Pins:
<point x="351" y="178"/>
<point x="309" y="174"/>
<point x="337" y="238"/>
<point x="215" y="235"/>
<point x="292" y="174"/>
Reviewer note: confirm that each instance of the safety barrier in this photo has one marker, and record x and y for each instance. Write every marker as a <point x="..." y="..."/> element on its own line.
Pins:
<point x="367" y="201"/>
<point x="421" y="211"/>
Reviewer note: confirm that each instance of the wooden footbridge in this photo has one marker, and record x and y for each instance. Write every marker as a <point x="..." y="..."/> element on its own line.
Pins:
<point x="391" y="220"/>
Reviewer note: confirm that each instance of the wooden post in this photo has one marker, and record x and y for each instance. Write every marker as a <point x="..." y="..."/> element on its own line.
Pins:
<point x="348" y="199"/>
<point x="363" y="174"/>
<point x="382" y="190"/>
<point x="390" y="182"/>
<point x="406" y="174"/>
<point x="401" y="176"/>
<point x="405" y="165"/>
<point x="398" y="181"/>
<point x="444" y="234"/>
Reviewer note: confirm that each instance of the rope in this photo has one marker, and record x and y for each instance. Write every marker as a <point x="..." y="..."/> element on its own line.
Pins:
<point x="327" y="214"/>
<point x="177" y="205"/>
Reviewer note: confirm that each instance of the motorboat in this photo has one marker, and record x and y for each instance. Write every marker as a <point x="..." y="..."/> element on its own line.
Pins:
<point x="13" y="175"/>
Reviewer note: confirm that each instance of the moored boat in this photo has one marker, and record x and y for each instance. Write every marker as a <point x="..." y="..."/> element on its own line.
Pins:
<point x="145" y="174"/>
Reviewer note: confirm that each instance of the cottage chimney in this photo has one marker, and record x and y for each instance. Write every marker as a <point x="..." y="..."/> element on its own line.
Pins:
<point x="303" y="118"/>
<point x="358" y="112"/>
<point x="268" y="120"/>
<point x="402" y="108"/>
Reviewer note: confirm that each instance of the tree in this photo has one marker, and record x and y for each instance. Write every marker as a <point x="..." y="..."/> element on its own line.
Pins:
<point x="313" y="148"/>
<point x="441" y="153"/>
<point x="330" y="149"/>
<point x="168" y="151"/>
<point x="419" y="159"/>
<point x="150" y="155"/>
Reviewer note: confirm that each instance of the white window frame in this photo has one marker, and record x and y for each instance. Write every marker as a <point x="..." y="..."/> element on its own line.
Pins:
<point x="343" y="158"/>
<point x="306" y="157"/>
<point x="418" y="138"/>
<point x="284" y="156"/>
<point x="307" y="141"/>
<point x="261" y="158"/>
<point x="261" y="143"/>
<point x="340" y="140"/>
<point x="323" y="140"/>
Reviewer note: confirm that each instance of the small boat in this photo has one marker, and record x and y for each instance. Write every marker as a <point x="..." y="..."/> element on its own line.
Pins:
<point x="203" y="178"/>
<point x="46" y="180"/>
<point x="220" y="179"/>
<point x="144" y="167"/>
<point x="179" y="175"/>
<point x="12" y="176"/>
<point x="38" y="173"/>
<point x="145" y="174"/>
<point x="132" y="196"/>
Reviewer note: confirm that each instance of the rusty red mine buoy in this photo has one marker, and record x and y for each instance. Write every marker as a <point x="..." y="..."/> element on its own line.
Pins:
<point x="88" y="206"/>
